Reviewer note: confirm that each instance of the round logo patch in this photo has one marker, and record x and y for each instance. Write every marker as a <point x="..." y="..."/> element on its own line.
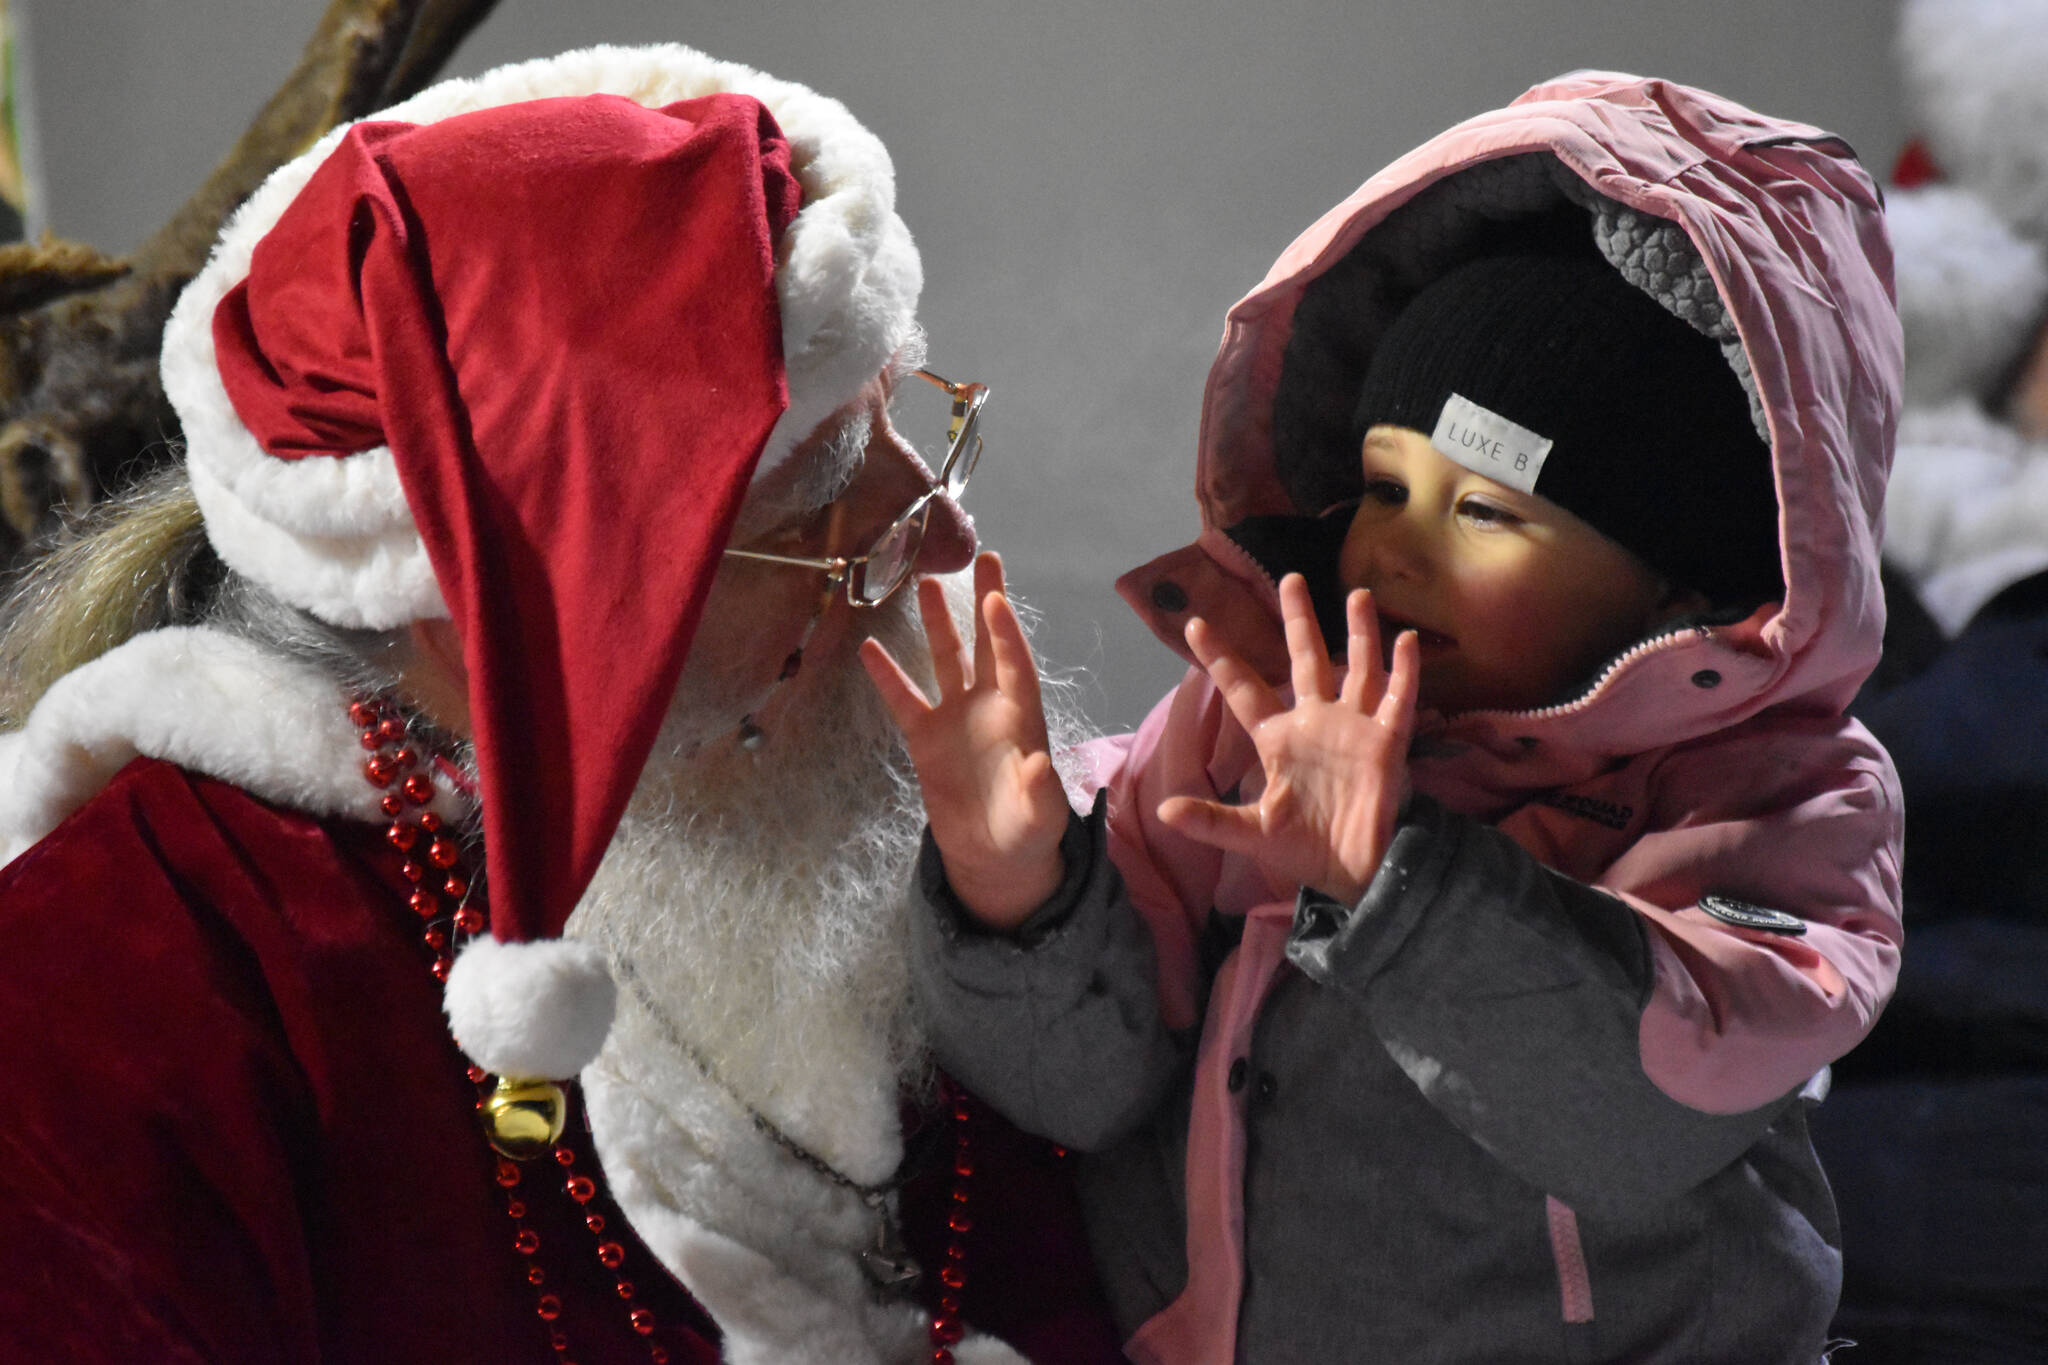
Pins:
<point x="1744" y="915"/>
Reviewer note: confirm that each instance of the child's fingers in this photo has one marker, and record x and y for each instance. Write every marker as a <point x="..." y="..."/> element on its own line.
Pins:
<point x="1362" y="673"/>
<point x="904" y="701"/>
<point x="1242" y="689"/>
<point x="1011" y="664"/>
<point x="1396" y="710"/>
<point x="1234" y="829"/>
<point x="949" y="656"/>
<point x="988" y="582"/>
<point x="1306" y="649"/>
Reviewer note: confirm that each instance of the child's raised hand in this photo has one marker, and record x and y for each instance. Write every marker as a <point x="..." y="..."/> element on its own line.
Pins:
<point x="995" y="805"/>
<point x="1336" y="762"/>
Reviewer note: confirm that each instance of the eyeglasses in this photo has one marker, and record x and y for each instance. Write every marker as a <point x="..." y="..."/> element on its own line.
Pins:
<point x="873" y="576"/>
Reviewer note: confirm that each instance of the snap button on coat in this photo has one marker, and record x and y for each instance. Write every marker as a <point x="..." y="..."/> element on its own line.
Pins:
<point x="1168" y="595"/>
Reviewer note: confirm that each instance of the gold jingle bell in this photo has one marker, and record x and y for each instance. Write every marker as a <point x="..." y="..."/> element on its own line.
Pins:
<point x="523" y="1116"/>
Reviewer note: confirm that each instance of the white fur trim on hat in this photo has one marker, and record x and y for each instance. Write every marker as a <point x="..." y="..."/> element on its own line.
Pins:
<point x="1977" y="71"/>
<point x="534" y="1010"/>
<point x="334" y="535"/>
<point x="1970" y="290"/>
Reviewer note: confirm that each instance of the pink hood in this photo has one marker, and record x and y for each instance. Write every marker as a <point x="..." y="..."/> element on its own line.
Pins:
<point x="1790" y="229"/>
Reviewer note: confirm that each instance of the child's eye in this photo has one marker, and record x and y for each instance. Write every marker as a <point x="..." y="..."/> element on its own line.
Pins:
<point x="1388" y="492"/>
<point x="1487" y="513"/>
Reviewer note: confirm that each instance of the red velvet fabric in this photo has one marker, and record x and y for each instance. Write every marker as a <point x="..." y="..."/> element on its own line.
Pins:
<point x="238" y="1133"/>
<point x="561" y="317"/>
<point x="1029" y="1278"/>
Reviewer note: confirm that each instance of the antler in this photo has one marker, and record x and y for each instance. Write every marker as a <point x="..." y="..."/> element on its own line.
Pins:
<point x="81" y="405"/>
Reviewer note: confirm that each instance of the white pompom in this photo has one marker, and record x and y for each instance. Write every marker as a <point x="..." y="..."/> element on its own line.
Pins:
<point x="1970" y="290"/>
<point x="539" y="1009"/>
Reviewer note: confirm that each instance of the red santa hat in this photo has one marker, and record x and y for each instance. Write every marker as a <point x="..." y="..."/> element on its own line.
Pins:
<point x="511" y="354"/>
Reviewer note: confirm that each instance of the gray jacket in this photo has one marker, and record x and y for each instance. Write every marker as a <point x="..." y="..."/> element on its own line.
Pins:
<point x="1448" y="1122"/>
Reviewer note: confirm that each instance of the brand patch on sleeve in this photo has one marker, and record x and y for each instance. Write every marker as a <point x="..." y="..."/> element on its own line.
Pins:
<point x="1744" y="915"/>
<point x="1487" y="443"/>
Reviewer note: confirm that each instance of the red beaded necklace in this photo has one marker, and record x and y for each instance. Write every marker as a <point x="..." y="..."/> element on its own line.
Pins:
<point x="393" y="768"/>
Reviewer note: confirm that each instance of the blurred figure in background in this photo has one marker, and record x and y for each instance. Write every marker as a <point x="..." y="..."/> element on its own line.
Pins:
<point x="1936" y="1136"/>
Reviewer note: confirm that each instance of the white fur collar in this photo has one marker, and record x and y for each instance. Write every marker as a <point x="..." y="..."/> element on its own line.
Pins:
<point x="769" y="1248"/>
<point x="205" y="700"/>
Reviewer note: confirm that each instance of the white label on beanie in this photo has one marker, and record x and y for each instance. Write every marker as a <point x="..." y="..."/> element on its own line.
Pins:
<point x="1487" y="443"/>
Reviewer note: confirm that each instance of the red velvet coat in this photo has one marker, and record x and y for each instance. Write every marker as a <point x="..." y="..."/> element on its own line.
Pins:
<point x="236" y="1129"/>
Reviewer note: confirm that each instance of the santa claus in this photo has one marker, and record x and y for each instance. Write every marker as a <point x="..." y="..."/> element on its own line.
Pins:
<point x="543" y="473"/>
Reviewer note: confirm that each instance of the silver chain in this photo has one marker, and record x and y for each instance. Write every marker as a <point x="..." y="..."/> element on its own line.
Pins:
<point x="890" y="1270"/>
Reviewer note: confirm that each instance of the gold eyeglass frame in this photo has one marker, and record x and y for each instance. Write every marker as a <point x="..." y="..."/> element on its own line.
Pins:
<point x="963" y="453"/>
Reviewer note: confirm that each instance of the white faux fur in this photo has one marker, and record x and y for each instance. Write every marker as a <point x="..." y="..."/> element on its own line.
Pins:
<point x="1977" y="71"/>
<point x="532" y="1010"/>
<point x="673" y="1140"/>
<point x="764" y="1243"/>
<point x="334" y="535"/>
<point x="202" y="699"/>
<point x="1967" y="509"/>
<point x="770" y="1317"/>
<point x="1970" y="290"/>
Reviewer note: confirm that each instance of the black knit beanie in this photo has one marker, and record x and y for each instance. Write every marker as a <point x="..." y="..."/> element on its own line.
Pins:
<point x="1648" y="430"/>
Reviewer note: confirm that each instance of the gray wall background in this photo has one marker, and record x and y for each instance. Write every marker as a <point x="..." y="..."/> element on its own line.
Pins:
<point x="1093" y="182"/>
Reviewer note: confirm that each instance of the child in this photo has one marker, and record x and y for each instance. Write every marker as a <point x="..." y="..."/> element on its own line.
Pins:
<point x="1516" y="955"/>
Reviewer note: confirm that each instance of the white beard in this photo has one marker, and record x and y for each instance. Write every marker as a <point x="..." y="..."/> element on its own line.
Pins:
<point x="756" y="900"/>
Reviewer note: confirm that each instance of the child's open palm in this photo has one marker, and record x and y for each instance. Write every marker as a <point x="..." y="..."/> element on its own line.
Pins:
<point x="995" y="805"/>
<point x="1336" y="761"/>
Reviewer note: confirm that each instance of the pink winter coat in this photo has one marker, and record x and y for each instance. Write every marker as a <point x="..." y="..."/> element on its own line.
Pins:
<point x="1708" y="763"/>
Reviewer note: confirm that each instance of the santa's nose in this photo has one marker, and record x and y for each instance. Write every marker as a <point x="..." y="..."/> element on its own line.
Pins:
<point x="892" y="480"/>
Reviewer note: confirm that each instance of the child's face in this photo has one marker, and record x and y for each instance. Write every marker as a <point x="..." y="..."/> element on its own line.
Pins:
<point x="1514" y="598"/>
